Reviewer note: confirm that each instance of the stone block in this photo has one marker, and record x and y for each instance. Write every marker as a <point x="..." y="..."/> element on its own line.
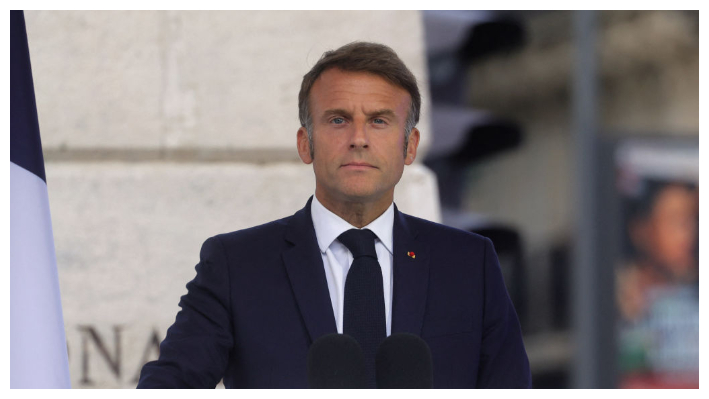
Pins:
<point x="97" y="77"/>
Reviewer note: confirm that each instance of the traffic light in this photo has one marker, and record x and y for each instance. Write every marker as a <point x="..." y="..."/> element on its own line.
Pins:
<point x="464" y="136"/>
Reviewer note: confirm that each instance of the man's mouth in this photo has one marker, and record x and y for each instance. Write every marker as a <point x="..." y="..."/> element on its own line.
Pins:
<point x="358" y="165"/>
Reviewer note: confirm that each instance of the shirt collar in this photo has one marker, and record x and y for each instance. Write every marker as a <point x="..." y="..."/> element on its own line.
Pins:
<point x="329" y="226"/>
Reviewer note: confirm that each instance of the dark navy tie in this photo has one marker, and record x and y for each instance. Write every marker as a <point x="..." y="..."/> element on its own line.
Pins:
<point x="364" y="317"/>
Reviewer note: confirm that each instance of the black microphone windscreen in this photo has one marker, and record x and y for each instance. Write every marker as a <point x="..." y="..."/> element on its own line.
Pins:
<point x="336" y="361"/>
<point x="404" y="362"/>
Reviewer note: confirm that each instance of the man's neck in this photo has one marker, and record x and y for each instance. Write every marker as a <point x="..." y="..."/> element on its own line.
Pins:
<point x="358" y="214"/>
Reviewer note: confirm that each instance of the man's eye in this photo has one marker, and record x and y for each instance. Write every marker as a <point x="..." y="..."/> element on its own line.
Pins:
<point x="378" y="121"/>
<point x="338" y="121"/>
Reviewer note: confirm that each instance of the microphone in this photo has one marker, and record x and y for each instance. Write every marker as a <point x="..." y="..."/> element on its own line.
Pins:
<point x="336" y="361"/>
<point x="404" y="362"/>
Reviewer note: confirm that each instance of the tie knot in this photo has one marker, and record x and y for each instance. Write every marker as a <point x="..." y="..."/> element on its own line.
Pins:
<point x="359" y="242"/>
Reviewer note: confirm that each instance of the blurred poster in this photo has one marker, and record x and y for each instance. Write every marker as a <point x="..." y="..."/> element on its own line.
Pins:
<point x="658" y="277"/>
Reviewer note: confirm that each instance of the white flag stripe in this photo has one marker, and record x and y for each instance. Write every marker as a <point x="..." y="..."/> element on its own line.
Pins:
<point x="38" y="355"/>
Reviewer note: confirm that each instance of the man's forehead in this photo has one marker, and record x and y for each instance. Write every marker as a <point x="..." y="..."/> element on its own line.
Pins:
<point x="354" y="91"/>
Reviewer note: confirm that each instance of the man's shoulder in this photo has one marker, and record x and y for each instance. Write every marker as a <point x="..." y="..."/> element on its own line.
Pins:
<point x="432" y="231"/>
<point x="263" y="232"/>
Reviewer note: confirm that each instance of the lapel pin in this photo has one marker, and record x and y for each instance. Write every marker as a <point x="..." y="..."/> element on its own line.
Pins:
<point x="411" y="255"/>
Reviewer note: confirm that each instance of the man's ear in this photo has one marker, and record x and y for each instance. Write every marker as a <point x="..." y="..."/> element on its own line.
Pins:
<point x="304" y="146"/>
<point x="414" y="137"/>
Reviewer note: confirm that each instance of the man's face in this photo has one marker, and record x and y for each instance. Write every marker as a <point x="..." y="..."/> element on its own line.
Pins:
<point x="358" y="137"/>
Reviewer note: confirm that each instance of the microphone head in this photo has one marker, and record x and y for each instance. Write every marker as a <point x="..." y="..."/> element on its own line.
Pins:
<point x="404" y="362"/>
<point x="336" y="361"/>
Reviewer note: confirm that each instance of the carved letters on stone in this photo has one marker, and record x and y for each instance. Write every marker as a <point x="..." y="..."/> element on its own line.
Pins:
<point x="109" y="350"/>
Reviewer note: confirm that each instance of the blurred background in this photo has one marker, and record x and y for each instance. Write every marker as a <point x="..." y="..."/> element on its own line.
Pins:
<point x="568" y="138"/>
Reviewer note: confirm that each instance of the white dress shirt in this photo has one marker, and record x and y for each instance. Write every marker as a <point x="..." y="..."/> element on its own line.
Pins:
<point x="337" y="259"/>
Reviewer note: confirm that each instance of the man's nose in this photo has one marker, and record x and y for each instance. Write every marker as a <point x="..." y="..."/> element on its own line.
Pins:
<point x="360" y="136"/>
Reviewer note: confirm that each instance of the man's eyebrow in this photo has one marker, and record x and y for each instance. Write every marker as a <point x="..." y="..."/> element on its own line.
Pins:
<point x="342" y="112"/>
<point x="381" y="112"/>
<point x="337" y="111"/>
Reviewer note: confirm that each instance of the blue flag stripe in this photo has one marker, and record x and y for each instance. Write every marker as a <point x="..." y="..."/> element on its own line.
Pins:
<point x="25" y="144"/>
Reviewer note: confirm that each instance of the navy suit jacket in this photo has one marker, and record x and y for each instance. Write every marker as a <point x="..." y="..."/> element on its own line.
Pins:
<point x="260" y="299"/>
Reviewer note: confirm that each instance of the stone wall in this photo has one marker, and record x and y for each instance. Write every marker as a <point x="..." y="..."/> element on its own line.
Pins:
<point x="161" y="129"/>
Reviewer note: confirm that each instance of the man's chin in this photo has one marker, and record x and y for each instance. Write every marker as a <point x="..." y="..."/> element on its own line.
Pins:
<point x="364" y="196"/>
<point x="355" y="192"/>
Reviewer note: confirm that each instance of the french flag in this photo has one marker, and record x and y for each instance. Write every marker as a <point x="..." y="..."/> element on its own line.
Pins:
<point x="38" y="354"/>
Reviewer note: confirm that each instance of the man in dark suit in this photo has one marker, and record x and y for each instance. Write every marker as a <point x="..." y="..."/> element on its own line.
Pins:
<point x="349" y="262"/>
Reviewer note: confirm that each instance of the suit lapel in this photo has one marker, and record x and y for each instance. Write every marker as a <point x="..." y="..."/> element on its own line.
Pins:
<point x="411" y="263"/>
<point x="307" y="275"/>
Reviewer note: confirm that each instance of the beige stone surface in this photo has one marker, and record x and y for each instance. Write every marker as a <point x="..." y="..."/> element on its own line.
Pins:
<point x="97" y="77"/>
<point x="128" y="236"/>
<point x="212" y="80"/>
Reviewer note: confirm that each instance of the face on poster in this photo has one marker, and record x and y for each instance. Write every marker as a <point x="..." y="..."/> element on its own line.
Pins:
<point x="658" y="276"/>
